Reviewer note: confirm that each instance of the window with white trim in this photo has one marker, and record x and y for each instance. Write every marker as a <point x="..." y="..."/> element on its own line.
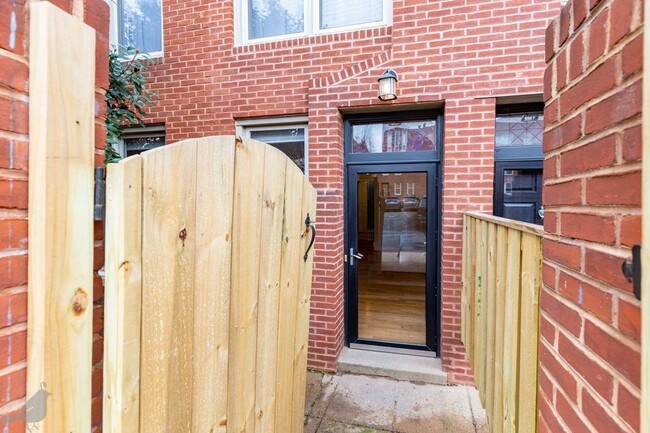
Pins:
<point x="410" y="189"/>
<point x="261" y="20"/>
<point x="289" y="134"/>
<point x="138" y="24"/>
<point x="397" y="188"/>
<point x="137" y="140"/>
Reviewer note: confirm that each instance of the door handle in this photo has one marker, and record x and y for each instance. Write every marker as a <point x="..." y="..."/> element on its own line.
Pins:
<point x="354" y="255"/>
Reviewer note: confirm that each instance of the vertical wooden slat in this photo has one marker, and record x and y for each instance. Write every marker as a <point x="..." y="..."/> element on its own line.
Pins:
<point x="471" y="278"/>
<point x="168" y="260"/>
<point x="247" y="212"/>
<point x="645" y="228"/>
<point x="490" y="298"/>
<point x="302" y="317"/>
<point x="464" y="296"/>
<point x="122" y="296"/>
<point x="269" y="289"/>
<point x="289" y="289"/>
<point x="531" y="267"/>
<point x="481" y="333"/>
<point x="500" y="311"/>
<point x="214" y="195"/>
<point x="60" y="270"/>
<point x="511" y="334"/>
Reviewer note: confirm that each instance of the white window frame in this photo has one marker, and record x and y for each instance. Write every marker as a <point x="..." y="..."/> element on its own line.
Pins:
<point x="410" y="189"/>
<point x="244" y="128"/>
<point x="114" y="29"/>
<point x="311" y="23"/>
<point x="397" y="188"/>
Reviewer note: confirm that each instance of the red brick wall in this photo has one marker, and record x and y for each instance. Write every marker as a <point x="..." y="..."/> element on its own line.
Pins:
<point x="460" y="54"/>
<point x="14" y="143"/>
<point x="590" y="343"/>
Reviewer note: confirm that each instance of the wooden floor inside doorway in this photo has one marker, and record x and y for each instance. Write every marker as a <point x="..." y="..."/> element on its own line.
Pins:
<point x="391" y="304"/>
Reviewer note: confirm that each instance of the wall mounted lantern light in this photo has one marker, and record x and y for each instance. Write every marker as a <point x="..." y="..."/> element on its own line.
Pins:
<point x="388" y="85"/>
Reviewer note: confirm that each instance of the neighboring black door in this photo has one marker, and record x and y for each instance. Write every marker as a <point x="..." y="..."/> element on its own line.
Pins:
<point x="392" y="255"/>
<point x="518" y="190"/>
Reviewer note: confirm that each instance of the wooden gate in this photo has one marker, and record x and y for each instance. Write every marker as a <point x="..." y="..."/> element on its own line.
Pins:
<point x="207" y="289"/>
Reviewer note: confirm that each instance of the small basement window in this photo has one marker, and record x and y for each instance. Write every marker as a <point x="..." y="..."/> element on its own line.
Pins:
<point x="288" y="134"/>
<point x="137" y="140"/>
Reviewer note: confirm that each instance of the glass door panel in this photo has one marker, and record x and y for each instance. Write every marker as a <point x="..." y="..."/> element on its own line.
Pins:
<point x="391" y="256"/>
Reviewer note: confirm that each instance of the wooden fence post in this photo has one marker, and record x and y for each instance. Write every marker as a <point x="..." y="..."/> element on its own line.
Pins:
<point x="61" y="160"/>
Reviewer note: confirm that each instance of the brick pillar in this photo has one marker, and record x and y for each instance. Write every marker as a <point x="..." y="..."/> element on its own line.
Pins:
<point x="590" y="324"/>
<point x="467" y="183"/>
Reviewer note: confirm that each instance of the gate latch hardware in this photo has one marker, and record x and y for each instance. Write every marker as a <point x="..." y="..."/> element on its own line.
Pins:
<point x="311" y="227"/>
<point x="632" y="270"/>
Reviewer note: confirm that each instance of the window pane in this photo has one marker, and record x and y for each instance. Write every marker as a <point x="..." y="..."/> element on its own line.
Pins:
<point x="416" y="136"/>
<point x="135" y="146"/>
<point x="340" y="13"/>
<point x="268" y="18"/>
<point x="141" y="25"/>
<point x="291" y="141"/>
<point x="523" y="129"/>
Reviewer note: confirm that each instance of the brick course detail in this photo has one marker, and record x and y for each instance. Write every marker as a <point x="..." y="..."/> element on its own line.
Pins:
<point x="590" y="341"/>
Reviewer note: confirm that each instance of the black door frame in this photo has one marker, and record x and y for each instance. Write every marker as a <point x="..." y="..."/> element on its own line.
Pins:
<point x="432" y="272"/>
<point x="428" y="162"/>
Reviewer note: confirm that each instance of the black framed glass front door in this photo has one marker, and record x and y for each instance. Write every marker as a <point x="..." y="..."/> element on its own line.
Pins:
<point x="392" y="257"/>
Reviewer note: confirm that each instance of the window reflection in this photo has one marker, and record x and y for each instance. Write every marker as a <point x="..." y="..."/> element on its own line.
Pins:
<point x="522" y="129"/>
<point x="416" y="136"/>
<point x="275" y="17"/>
<point x="141" y="24"/>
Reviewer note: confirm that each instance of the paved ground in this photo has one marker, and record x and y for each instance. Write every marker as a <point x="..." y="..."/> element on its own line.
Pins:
<point x="365" y="404"/>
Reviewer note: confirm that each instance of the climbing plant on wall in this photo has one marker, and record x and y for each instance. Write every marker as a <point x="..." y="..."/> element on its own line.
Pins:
<point x="127" y="96"/>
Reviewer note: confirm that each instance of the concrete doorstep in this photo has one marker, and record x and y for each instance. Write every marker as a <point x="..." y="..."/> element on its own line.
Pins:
<point x="392" y="365"/>
<point x="350" y="403"/>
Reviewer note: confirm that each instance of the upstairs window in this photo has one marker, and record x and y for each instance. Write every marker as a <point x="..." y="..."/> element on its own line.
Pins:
<point x="137" y="23"/>
<point x="345" y="13"/>
<point x="280" y="19"/>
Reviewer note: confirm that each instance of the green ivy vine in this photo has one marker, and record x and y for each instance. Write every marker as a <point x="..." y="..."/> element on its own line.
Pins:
<point x="127" y="95"/>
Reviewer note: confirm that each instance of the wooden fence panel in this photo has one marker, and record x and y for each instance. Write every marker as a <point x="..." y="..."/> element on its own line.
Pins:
<point x="122" y="310"/>
<point x="247" y="213"/>
<point x="531" y="281"/>
<point x="269" y="291"/>
<point x="289" y="289"/>
<point x="304" y="297"/>
<point x="225" y="289"/>
<point x="60" y="268"/>
<point x="501" y="288"/>
<point x="511" y="337"/>
<point x="168" y="257"/>
<point x="215" y="158"/>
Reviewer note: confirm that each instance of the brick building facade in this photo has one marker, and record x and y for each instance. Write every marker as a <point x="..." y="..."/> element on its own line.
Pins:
<point x="14" y="143"/>
<point x="590" y="362"/>
<point x="458" y="59"/>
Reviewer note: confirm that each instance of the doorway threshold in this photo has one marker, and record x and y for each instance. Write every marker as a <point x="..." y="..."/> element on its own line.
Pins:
<point x="397" y="366"/>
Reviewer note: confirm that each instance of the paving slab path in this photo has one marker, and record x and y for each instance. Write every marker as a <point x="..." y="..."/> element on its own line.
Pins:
<point x="368" y="404"/>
